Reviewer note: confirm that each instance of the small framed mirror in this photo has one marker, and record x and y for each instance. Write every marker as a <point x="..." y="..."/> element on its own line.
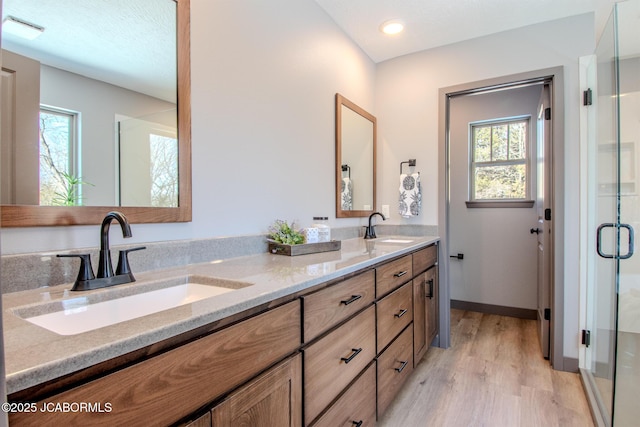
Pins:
<point x="356" y="134"/>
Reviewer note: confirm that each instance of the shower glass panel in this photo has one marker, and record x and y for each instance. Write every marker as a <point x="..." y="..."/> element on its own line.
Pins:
<point x="612" y="359"/>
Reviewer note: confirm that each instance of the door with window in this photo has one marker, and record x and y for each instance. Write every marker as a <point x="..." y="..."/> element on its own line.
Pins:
<point x="492" y="206"/>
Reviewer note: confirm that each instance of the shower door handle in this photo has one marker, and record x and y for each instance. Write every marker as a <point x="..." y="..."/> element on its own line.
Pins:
<point x="631" y="247"/>
<point x="599" y="239"/>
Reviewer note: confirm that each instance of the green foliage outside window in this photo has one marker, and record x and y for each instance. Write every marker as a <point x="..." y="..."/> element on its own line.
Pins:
<point x="499" y="160"/>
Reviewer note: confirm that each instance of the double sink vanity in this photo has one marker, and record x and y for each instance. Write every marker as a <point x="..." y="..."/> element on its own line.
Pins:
<point x="321" y="339"/>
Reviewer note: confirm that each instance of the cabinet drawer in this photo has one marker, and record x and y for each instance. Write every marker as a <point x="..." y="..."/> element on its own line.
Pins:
<point x="332" y="362"/>
<point x="392" y="274"/>
<point x="174" y="384"/>
<point x="394" y="313"/>
<point x="326" y="308"/>
<point x="394" y="366"/>
<point x="357" y="406"/>
<point x="425" y="258"/>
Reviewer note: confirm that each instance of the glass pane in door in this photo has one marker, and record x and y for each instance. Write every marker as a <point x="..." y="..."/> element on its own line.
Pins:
<point x="603" y="209"/>
<point x="627" y="381"/>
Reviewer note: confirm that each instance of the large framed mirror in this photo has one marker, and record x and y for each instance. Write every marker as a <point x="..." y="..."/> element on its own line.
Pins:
<point x="356" y="135"/>
<point x="99" y="101"/>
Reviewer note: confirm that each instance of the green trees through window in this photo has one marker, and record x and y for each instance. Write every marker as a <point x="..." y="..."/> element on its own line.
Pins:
<point x="499" y="160"/>
<point x="59" y="182"/>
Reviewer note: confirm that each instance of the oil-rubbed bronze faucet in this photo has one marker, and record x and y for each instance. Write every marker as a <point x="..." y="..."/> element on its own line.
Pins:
<point x="370" y="231"/>
<point x="86" y="280"/>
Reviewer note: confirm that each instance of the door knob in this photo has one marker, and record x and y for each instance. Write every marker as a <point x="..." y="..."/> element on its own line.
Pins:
<point x="535" y="230"/>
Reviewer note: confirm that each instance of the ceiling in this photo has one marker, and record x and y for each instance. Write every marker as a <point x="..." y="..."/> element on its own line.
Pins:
<point x="433" y="23"/>
<point x="127" y="43"/>
<point x="101" y="38"/>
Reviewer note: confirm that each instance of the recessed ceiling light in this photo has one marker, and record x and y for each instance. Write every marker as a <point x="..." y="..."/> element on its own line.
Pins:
<point x="21" y="28"/>
<point x="392" y="27"/>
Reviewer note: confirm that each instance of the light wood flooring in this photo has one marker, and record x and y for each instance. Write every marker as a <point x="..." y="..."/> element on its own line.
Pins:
<point x="492" y="375"/>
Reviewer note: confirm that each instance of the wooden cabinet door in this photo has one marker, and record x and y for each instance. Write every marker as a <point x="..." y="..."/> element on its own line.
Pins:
<point x="420" y="344"/>
<point x="431" y="308"/>
<point x="272" y="399"/>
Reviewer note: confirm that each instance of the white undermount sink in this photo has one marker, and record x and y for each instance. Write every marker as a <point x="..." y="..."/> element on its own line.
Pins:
<point x="395" y="241"/>
<point x="85" y="313"/>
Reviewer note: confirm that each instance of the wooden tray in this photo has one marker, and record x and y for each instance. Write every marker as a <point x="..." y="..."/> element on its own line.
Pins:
<point x="304" y="249"/>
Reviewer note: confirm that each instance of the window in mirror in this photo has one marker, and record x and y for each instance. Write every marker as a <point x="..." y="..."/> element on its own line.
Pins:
<point x="60" y="182"/>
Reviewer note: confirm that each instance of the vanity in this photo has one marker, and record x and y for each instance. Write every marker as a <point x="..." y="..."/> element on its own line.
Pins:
<point x="324" y="339"/>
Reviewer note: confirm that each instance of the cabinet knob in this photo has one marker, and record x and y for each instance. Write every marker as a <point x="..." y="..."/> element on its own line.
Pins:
<point x="357" y="423"/>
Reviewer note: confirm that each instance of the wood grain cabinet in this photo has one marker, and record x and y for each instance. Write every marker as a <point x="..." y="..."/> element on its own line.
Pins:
<point x="328" y="307"/>
<point x="393" y="274"/>
<point x="272" y="399"/>
<point x="336" y="356"/>
<point x="425" y="300"/>
<point x="357" y="406"/>
<point x="332" y="362"/>
<point x="172" y="385"/>
<point x="395" y="365"/>
<point x="394" y="312"/>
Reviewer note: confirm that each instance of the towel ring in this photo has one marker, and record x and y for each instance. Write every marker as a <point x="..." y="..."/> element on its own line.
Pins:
<point x="411" y="162"/>
<point x="347" y="168"/>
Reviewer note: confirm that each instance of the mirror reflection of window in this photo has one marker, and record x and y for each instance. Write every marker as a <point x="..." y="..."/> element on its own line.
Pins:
<point x="148" y="161"/>
<point x="60" y="180"/>
<point x="164" y="170"/>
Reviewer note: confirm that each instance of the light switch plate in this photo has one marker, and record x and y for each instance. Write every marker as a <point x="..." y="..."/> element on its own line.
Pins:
<point x="385" y="210"/>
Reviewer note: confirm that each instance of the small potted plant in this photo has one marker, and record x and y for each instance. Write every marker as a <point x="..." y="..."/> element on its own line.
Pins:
<point x="285" y="233"/>
<point x="285" y="239"/>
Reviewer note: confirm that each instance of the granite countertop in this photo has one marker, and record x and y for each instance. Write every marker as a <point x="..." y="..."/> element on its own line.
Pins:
<point x="34" y="355"/>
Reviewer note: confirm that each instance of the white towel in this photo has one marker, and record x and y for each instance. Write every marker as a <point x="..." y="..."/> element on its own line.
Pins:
<point x="347" y="194"/>
<point x="410" y="200"/>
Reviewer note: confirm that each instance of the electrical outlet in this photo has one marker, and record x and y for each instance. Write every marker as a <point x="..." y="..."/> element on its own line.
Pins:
<point x="385" y="210"/>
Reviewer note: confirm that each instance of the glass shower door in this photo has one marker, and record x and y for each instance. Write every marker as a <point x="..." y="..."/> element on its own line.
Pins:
<point x="626" y="408"/>
<point x="613" y="300"/>
<point x="603" y="216"/>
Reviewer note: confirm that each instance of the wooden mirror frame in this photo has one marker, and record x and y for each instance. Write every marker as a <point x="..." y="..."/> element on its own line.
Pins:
<point x="36" y="216"/>
<point x="342" y="101"/>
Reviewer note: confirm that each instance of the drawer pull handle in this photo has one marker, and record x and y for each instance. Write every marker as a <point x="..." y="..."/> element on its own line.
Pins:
<point x="430" y="282"/>
<point x="400" y="274"/>
<point x="356" y="351"/>
<point x="357" y="423"/>
<point x="353" y="298"/>
<point x="401" y="368"/>
<point x="402" y="313"/>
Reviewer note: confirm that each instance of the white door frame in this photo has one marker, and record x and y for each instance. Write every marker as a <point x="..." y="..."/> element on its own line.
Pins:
<point x="557" y="297"/>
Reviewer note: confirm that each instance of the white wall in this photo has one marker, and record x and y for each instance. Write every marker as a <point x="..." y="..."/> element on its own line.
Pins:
<point x="407" y="110"/>
<point x="264" y="78"/>
<point x="98" y="104"/>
